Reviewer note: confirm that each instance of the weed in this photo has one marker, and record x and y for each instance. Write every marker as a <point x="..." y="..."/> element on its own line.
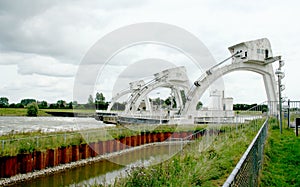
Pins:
<point x="282" y="158"/>
<point x="194" y="166"/>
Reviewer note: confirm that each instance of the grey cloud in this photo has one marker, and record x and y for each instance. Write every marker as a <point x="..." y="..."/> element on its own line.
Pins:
<point x="47" y="67"/>
<point x="64" y="29"/>
<point x="29" y="64"/>
<point x="25" y="8"/>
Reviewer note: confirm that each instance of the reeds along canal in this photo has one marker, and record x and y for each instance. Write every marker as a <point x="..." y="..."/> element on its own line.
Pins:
<point x="39" y="160"/>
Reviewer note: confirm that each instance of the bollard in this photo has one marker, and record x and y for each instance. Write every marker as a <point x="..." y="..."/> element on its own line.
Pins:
<point x="297" y="124"/>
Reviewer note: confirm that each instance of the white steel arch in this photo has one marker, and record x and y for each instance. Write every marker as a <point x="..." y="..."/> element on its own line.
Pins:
<point x="255" y="56"/>
<point x="205" y="81"/>
<point x="136" y="99"/>
<point x="174" y="78"/>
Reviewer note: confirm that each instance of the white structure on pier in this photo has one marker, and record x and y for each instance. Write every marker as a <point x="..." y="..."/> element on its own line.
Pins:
<point x="174" y="78"/>
<point x="255" y="56"/>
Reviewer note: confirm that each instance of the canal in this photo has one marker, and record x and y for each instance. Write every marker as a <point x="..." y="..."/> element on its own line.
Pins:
<point x="106" y="171"/>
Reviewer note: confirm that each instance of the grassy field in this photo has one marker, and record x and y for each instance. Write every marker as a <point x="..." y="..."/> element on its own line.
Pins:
<point x="42" y="112"/>
<point x="282" y="158"/>
<point x="18" y="112"/>
<point x="206" y="162"/>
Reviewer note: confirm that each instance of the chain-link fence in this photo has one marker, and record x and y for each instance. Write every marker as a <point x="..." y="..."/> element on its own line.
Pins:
<point x="247" y="170"/>
<point x="291" y="111"/>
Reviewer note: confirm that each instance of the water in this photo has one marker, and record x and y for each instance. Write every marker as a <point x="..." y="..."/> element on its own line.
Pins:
<point x="105" y="172"/>
<point x="47" y="124"/>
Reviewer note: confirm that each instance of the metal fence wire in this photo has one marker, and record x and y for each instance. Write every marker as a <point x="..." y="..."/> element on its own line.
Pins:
<point x="247" y="170"/>
<point x="291" y="111"/>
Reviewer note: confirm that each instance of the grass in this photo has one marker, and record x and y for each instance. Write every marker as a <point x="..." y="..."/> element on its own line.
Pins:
<point x="42" y="112"/>
<point x="247" y="112"/>
<point x="13" y="112"/>
<point x="18" y="112"/>
<point x="206" y="162"/>
<point x="282" y="158"/>
<point x="12" y="144"/>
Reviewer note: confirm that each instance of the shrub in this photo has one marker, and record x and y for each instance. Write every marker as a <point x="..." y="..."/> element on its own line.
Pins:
<point x="32" y="109"/>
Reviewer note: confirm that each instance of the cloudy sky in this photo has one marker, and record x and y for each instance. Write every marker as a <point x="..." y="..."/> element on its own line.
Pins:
<point x="43" y="42"/>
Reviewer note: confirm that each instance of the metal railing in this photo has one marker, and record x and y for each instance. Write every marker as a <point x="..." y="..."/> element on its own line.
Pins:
<point x="247" y="170"/>
<point x="291" y="110"/>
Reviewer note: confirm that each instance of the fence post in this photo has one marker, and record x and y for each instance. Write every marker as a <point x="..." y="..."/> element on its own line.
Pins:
<point x="296" y="125"/>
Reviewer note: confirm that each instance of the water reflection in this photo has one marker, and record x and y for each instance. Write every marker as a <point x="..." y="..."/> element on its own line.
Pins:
<point x="106" y="171"/>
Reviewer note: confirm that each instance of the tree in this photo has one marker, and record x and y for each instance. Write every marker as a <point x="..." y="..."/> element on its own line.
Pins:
<point x="90" y="100"/>
<point x="43" y="104"/>
<point x="168" y="101"/>
<point x="32" y="109"/>
<point x="61" y="104"/>
<point x="19" y="105"/>
<point x="70" y="105"/>
<point x="52" y="106"/>
<point x="25" y="102"/>
<point x="3" y="102"/>
<point x="100" y="97"/>
<point x="90" y="104"/>
<point x="100" y="102"/>
<point x="75" y="104"/>
<point x="199" y="105"/>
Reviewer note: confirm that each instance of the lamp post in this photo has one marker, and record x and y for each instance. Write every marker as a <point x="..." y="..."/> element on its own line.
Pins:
<point x="159" y="107"/>
<point x="280" y="75"/>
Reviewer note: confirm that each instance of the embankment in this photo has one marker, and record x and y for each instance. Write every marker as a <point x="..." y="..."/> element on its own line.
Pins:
<point x="39" y="161"/>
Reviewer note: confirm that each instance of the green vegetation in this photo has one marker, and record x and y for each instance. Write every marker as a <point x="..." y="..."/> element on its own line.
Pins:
<point x="239" y="107"/>
<point x="41" y="112"/>
<point x="3" y="102"/>
<point x="282" y="158"/>
<point x="13" y="112"/>
<point x="32" y="109"/>
<point x="206" y="162"/>
<point x="248" y="112"/>
<point x="98" y="103"/>
<point x="18" y="112"/>
<point x="12" y="144"/>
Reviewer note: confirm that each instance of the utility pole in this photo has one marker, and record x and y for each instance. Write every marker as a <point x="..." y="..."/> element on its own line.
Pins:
<point x="280" y="75"/>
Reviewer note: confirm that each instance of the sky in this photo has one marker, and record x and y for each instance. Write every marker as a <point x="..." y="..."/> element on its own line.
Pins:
<point x="43" y="42"/>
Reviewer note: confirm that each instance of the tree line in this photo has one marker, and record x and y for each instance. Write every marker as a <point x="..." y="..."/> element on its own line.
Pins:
<point x="263" y="108"/>
<point x="99" y="102"/>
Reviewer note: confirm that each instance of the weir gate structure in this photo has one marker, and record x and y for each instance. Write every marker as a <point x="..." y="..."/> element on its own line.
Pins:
<point x="255" y="56"/>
